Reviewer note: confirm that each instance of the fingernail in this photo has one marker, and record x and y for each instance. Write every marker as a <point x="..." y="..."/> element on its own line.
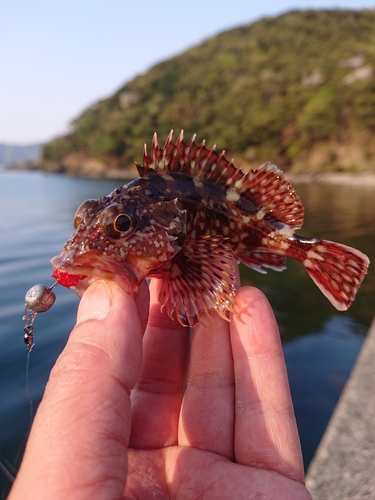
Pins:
<point x="96" y="302"/>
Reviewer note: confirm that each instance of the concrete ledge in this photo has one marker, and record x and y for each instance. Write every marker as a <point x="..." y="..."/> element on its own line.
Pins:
<point x="344" y="465"/>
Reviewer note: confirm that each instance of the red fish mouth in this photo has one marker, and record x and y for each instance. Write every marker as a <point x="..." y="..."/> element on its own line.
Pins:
<point x="95" y="267"/>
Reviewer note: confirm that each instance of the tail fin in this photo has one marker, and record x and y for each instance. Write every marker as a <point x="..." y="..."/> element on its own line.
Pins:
<point x="338" y="270"/>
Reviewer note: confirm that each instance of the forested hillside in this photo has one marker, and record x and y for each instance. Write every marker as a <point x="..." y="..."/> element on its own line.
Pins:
<point x="298" y="90"/>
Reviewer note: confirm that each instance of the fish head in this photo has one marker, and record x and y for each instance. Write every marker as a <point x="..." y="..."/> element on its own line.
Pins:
<point x="122" y="240"/>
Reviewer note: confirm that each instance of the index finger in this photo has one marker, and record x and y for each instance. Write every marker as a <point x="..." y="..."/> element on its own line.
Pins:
<point x="266" y="433"/>
<point x="157" y="396"/>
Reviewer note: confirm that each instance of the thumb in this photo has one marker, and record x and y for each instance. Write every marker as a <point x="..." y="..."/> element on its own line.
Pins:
<point x="108" y="320"/>
<point x="83" y="422"/>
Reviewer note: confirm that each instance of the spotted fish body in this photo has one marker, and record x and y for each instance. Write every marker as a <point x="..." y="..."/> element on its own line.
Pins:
<point x="188" y="216"/>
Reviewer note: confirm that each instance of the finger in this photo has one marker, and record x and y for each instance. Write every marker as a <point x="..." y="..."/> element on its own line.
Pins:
<point x="265" y="429"/>
<point x="156" y="400"/>
<point x="142" y="301"/>
<point x="207" y="414"/>
<point x="78" y="442"/>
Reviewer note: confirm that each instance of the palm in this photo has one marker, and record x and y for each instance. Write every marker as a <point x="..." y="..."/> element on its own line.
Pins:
<point x="217" y="423"/>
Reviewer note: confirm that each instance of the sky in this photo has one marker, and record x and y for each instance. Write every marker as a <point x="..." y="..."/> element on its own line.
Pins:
<point x="59" y="57"/>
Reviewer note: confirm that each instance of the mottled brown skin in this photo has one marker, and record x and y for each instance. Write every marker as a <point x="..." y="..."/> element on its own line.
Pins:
<point x="185" y="218"/>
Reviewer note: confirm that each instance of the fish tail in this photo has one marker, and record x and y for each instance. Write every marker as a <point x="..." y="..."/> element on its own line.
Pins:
<point x="338" y="270"/>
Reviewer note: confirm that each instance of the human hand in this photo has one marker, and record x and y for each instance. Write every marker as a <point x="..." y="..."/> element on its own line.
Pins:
<point x="181" y="418"/>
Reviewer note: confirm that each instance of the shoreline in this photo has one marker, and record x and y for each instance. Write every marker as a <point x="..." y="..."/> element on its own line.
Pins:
<point x="356" y="180"/>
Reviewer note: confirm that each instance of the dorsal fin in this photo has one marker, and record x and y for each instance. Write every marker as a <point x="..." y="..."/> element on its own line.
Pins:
<point x="267" y="188"/>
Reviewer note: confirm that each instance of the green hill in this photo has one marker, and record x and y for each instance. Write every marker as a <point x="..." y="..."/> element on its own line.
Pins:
<point x="298" y="90"/>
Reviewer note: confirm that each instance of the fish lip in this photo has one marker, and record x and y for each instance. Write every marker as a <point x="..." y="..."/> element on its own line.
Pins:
<point x="96" y="267"/>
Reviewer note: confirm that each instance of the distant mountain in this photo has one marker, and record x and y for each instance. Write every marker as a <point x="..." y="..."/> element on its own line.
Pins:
<point x="298" y="90"/>
<point x="11" y="154"/>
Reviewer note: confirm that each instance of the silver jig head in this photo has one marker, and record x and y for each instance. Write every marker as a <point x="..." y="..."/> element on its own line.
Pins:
<point x="39" y="298"/>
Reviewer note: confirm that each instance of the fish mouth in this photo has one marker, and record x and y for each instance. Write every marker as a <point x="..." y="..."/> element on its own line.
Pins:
<point x="96" y="267"/>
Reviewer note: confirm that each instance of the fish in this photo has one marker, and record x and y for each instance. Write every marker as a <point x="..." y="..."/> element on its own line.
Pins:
<point x="188" y="217"/>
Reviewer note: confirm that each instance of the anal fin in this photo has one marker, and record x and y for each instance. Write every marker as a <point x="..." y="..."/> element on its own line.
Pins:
<point x="258" y="259"/>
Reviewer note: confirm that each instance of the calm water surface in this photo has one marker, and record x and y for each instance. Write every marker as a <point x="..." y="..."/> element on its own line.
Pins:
<point x="320" y="344"/>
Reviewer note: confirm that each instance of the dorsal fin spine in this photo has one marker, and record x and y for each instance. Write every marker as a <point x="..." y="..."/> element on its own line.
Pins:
<point x="155" y="145"/>
<point x="266" y="188"/>
<point x="145" y="154"/>
<point x="180" y="139"/>
<point x="169" y="139"/>
<point x="192" y="140"/>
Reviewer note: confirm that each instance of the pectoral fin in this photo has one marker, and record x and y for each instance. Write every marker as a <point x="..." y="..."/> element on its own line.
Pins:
<point x="199" y="280"/>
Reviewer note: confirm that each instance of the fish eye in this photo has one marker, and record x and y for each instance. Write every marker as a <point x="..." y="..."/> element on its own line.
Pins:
<point x="121" y="224"/>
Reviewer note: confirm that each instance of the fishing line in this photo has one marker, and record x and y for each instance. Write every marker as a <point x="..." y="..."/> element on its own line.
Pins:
<point x="38" y="298"/>
<point x="9" y="472"/>
<point x="6" y="467"/>
<point x="28" y="390"/>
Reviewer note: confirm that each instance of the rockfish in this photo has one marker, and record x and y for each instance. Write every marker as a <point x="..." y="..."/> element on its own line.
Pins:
<point x="187" y="218"/>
